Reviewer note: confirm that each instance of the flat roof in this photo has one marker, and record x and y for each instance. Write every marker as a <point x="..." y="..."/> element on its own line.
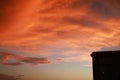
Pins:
<point x="106" y="53"/>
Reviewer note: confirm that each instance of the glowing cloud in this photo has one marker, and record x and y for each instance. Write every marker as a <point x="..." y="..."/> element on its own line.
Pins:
<point x="68" y="28"/>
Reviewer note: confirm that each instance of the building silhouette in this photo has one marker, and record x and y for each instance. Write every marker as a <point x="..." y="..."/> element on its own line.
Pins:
<point x="106" y="65"/>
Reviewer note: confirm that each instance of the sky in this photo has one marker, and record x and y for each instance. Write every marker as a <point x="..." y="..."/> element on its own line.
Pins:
<point x="53" y="39"/>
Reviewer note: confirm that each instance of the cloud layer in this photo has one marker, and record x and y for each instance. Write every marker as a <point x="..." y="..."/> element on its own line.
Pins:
<point x="68" y="28"/>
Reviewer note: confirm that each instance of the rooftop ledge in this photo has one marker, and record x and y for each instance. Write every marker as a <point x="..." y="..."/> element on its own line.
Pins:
<point x="106" y="53"/>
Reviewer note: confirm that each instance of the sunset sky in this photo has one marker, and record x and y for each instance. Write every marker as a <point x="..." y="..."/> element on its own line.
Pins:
<point x="53" y="39"/>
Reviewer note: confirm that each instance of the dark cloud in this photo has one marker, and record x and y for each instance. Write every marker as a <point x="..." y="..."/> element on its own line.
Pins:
<point x="15" y="60"/>
<point x="12" y="64"/>
<point x="9" y="77"/>
<point x="35" y="60"/>
<point x="82" y="21"/>
<point x="115" y="4"/>
<point x="99" y="9"/>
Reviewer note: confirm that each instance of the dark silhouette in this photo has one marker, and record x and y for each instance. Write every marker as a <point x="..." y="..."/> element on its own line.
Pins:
<point x="106" y="65"/>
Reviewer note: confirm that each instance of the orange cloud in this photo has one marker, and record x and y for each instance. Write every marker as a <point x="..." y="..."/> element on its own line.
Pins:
<point x="15" y="60"/>
<point x="64" y="28"/>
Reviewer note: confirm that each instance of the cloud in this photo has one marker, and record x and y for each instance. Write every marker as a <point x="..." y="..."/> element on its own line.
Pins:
<point x="15" y="60"/>
<point x="58" y="27"/>
<point x="102" y="10"/>
<point x="9" y="77"/>
<point x="115" y="4"/>
<point x="35" y="60"/>
<point x="11" y="64"/>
